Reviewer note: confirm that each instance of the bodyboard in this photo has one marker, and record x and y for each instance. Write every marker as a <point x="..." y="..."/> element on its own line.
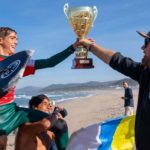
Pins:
<point x="11" y="70"/>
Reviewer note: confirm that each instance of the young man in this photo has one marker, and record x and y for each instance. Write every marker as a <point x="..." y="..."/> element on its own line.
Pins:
<point x="137" y="71"/>
<point x="28" y="137"/>
<point x="12" y="116"/>
<point x="128" y="99"/>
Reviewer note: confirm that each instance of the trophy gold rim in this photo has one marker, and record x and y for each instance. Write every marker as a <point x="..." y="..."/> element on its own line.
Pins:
<point x="88" y="14"/>
<point x="70" y="11"/>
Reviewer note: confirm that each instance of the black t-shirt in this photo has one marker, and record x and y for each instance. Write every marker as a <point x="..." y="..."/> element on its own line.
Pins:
<point x="141" y="74"/>
<point x="129" y="97"/>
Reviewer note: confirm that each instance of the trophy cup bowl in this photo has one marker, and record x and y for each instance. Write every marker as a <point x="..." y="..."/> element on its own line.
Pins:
<point x="81" y="19"/>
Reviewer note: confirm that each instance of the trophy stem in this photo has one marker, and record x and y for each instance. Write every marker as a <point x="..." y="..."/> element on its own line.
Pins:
<point x="81" y="38"/>
<point x="81" y="52"/>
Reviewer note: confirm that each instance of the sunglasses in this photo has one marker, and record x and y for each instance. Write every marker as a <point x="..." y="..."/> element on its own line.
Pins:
<point x="146" y="42"/>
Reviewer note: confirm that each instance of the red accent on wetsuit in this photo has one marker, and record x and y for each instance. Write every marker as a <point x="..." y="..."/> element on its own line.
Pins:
<point x="29" y="70"/>
<point x="1" y="58"/>
<point x="9" y="97"/>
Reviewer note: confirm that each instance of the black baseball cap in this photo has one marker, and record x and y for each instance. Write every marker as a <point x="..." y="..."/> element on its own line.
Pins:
<point x="146" y="36"/>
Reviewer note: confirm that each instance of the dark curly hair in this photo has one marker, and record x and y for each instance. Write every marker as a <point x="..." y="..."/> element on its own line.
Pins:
<point x="5" y="31"/>
<point x="36" y="100"/>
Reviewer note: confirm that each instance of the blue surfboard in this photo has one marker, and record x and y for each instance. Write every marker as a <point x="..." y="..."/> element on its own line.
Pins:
<point x="11" y="70"/>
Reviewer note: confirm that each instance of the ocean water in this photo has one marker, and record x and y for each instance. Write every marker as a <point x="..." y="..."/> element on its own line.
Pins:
<point x="23" y="99"/>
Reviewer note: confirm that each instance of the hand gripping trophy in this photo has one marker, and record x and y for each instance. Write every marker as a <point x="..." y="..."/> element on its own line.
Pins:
<point x="81" y="20"/>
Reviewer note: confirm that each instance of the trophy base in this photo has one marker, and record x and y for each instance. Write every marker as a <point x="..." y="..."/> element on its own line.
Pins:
<point x="82" y="63"/>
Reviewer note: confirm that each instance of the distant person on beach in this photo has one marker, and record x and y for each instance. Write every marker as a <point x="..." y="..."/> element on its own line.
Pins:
<point x="139" y="71"/>
<point x="18" y="115"/>
<point x="31" y="137"/>
<point x="60" y="128"/>
<point x="128" y="99"/>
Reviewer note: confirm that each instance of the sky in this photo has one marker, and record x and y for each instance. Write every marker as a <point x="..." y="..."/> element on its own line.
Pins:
<point x="42" y="25"/>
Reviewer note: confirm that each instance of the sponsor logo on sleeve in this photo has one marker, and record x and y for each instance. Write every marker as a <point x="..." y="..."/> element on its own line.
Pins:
<point x="11" y="68"/>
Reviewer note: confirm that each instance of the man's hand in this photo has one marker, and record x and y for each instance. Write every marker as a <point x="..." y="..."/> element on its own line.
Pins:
<point x="123" y="97"/>
<point x="101" y="52"/>
<point x="87" y="43"/>
<point x="54" y="117"/>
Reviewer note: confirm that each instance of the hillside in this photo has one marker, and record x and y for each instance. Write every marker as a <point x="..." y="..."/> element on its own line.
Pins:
<point x="92" y="85"/>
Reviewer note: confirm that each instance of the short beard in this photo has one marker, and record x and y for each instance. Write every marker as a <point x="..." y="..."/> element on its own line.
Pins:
<point x="146" y="61"/>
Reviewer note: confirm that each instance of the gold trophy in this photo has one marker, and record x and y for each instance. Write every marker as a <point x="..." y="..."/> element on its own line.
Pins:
<point x="81" y="20"/>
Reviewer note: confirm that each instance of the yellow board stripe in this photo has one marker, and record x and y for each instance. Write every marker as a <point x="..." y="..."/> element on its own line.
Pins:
<point x="124" y="136"/>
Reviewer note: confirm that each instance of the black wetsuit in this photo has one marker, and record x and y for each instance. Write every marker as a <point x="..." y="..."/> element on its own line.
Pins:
<point x="129" y="101"/>
<point x="142" y="75"/>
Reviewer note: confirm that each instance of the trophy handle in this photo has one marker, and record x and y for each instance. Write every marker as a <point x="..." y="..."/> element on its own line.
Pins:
<point x="95" y="12"/>
<point x="66" y="9"/>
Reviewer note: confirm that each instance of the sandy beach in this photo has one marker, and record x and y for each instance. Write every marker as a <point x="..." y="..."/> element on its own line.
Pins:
<point x="89" y="110"/>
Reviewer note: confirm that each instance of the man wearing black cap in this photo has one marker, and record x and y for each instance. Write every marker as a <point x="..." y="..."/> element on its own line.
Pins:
<point x="139" y="71"/>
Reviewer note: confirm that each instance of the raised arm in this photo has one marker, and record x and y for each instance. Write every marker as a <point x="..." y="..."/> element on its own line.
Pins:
<point x="49" y="62"/>
<point x="54" y="60"/>
<point x="124" y="65"/>
<point x="102" y="53"/>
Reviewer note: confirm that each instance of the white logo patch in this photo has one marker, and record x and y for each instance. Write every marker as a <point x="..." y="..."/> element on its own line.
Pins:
<point x="10" y="69"/>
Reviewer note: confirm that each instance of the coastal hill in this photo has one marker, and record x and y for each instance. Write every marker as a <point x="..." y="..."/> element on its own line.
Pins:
<point x="92" y="85"/>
